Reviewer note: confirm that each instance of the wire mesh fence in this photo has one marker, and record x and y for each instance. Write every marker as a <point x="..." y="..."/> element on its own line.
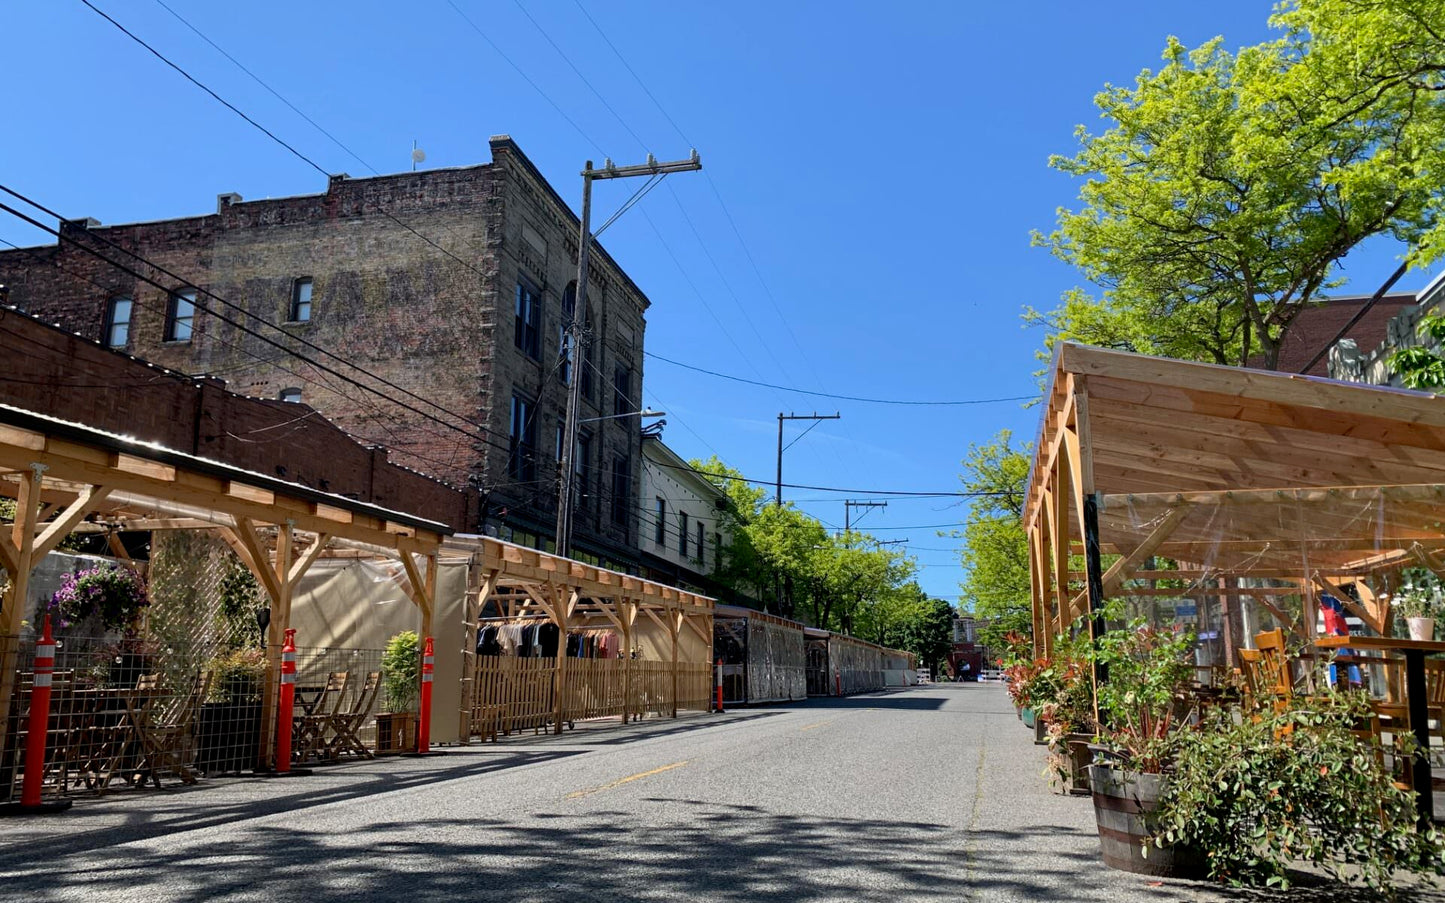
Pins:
<point x="341" y="697"/>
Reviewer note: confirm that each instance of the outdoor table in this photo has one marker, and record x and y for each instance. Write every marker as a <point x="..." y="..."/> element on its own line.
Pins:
<point x="1414" y="652"/>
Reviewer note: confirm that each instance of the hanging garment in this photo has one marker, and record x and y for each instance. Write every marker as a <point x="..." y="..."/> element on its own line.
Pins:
<point x="524" y="646"/>
<point x="547" y="636"/>
<point x="574" y="645"/>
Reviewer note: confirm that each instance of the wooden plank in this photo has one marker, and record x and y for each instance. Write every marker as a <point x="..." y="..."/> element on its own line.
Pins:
<point x="1122" y="568"/>
<point x="309" y="558"/>
<point x="58" y="529"/>
<point x="1359" y="611"/>
<point x="256" y="557"/>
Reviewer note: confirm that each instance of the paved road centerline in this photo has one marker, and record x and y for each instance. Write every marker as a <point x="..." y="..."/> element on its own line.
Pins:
<point x="815" y="724"/>
<point x="577" y="794"/>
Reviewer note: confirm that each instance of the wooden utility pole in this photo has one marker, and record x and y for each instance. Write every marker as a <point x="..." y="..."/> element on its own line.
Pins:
<point x="575" y="335"/>
<point x="778" y="498"/>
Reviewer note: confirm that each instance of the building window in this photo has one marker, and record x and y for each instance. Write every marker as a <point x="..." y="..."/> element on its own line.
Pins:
<point x="290" y="394"/>
<point x="622" y="390"/>
<point x="117" y="322"/>
<point x="621" y="489"/>
<point x="522" y="440"/>
<point x="180" y="316"/>
<point x="300" y="301"/>
<point x="701" y="551"/>
<point x="682" y="533"/>
<point x="659" y="529"/>
<point x="529" y="320"/>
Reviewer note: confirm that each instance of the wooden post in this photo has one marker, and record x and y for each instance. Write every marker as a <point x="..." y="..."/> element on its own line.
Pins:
<point x="562" y="613"/>
<point x="674" y="626"/>
<point x="22" y="549"/>
<point x="628" y="611"/>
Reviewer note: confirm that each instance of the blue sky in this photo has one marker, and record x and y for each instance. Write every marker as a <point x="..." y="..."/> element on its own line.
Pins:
<point x="883" y="164"/>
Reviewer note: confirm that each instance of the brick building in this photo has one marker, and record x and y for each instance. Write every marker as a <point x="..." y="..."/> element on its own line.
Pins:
<point x="450" y="283"/>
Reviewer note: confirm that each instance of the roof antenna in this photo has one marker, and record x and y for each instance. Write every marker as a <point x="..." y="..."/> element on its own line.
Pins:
<point x="417" y="155"/>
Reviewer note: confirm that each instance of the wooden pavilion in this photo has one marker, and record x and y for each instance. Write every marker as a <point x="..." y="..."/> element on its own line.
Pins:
<point x="667" y="633"/>
<point x="1259" y="490"/>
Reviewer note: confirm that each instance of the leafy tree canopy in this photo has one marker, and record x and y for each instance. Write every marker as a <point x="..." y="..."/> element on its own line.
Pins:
<point x="994" y="554"/>
<point x="1226" y="187"/>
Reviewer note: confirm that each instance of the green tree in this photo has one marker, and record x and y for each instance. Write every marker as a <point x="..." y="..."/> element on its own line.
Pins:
<point x="1226" y="187"/>
<point x="995" y="553"/>
<point x="924" y="629"/>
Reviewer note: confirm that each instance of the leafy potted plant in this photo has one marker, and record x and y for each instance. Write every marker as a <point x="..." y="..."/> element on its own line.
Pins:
<point x="109" y="596"/>
<point x="1418" y="600"/>
<point x="1068" y="716"/>
<point x="230" y="728"/>
<point x="400" y="673"/>
<point x="1148" y="671"/>
<point x="1293" y="781"/>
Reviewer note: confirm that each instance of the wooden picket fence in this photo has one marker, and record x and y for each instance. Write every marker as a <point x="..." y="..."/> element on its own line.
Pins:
<point x="514" y="694"/>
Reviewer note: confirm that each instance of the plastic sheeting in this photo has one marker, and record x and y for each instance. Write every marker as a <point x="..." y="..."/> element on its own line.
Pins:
<point x="763" y="659"/>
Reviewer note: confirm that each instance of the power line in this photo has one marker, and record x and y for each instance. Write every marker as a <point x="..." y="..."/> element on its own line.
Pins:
<point x="232" y="306"/>
<point x="246" y="329"/>
<point x="891" y="401"/>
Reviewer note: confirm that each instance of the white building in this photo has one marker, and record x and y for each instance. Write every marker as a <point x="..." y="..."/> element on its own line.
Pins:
<point x="681" y="529"/>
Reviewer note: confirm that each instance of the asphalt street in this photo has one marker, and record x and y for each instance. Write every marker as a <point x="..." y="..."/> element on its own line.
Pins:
<point x="930" y="793"/>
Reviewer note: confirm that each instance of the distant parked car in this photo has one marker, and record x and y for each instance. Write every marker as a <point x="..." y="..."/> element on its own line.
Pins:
<point x="992" y="674"/>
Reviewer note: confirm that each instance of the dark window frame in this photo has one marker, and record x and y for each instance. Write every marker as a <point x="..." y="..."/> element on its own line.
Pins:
<point x="299" y="311"/>
<point x="111" y="322"/>
<point x="659" y="531"/>
<point x="528" y="325"/>
<point x="175" y="319"/>
<point x="286" y="393"/>
<point x="621" y="489"/>
<point x="682" y="534"/>
<point x="522" y="443"/>
<point x="701" y="543"/>
<point x="621" y="388"/>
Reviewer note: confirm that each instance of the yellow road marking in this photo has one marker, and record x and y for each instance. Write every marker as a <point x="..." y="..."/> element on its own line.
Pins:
<point x="627" y="780"/>
<point x="817" y="724"/>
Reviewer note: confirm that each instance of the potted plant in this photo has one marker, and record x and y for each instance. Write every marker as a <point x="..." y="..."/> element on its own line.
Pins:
<point x="107" y="595"/>
<point x="1068" y="716"/>
<point x="1140" y="702"/>
<point x="230" y="726"/>
<point x="1294" y="782"/>
<point x="1418" y="600"/>
<point x="400" y="673"/>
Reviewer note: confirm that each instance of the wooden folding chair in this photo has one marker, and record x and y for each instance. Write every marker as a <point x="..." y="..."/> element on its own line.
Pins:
<point x="345" y="725"/>
<point x="309" y="732"/>
<point x="166" y="732"/>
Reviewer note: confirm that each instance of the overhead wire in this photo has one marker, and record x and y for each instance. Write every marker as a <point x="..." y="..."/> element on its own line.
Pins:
<point x="835" y="395"/>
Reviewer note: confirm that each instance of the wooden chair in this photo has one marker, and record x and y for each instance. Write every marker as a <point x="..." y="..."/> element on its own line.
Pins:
<point x="1434" y="700"/>
<point x="308" y="736"/>
<point x="345" y="725"/>
<point x="166" y="733"/>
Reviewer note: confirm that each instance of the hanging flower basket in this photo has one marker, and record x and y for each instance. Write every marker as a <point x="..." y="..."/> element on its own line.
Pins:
<point x="115" y="596"/>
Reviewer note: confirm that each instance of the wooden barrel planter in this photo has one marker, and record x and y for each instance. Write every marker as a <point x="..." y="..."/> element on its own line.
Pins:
<point x="1125" y="805"/>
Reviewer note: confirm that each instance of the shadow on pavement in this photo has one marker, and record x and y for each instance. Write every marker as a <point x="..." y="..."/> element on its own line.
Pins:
<point x="662" y="849"/>
<point x="207" y="805"/>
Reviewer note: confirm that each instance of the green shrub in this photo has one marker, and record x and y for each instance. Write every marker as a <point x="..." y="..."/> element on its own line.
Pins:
<point x="401" y="669"/>
<point x="1261" y="790"/>
<point x="238" y="676"/>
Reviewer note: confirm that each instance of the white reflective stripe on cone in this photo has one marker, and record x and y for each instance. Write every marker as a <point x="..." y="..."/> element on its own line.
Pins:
<point x="42" y="680"/>
<point x="288" y="656"/>
<point x="426" y="678"/>
<point x="45" y="650"/>
<point x="288" y="678"/>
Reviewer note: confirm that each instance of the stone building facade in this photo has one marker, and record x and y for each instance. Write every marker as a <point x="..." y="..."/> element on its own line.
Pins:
<point x="1356" y="362"/>
<point x="449" y="284"/>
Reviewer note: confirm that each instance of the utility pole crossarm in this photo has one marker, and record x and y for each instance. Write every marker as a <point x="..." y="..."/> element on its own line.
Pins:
<point x="650" y="168"/>
<point x="778" y="498"/>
